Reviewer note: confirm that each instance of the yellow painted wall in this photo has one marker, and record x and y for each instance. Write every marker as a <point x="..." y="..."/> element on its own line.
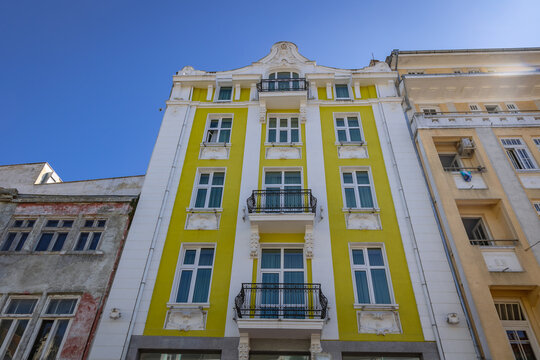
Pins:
<point x="389" y="235"/>
<point x="222" y="238"/>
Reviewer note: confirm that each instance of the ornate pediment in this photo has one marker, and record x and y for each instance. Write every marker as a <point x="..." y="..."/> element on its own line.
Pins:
<point x="284" y="53"/>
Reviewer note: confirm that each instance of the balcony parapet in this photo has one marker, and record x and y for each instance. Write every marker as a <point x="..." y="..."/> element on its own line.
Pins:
<point x="475" y="119"/>
<point x="287" y="93"/>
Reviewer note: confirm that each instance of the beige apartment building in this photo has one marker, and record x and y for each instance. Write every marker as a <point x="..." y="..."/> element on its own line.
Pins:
<point x="474" y="117"/>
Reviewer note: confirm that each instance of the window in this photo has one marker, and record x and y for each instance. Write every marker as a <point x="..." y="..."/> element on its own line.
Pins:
<point x="512" y="107"/>
<point x="474" y="71"/>
<point x="283" y="190"/>
<point x="283" y="129"/>
<point x="458" y="71"/>
<point x="536" y="205"/>
<point x="476" y="231"/>
<point x="194" y="275"/>
<point x="284" y="81"/>
<point x="357" y="190"/>
<point x="282" y="266"/>
<point x="537" y="143"/>
<point x="518" y="153"/>
<point x="53" y="235"/>
<point x="53" y="328"/>
<point x="474" y="107"/>
<point x="415" y="72"/>
<point x="90" y="235"/>
<point x="13" y="323"/>
<point x="370" y="275"/>
<point x="348" y="129"/>
<point x="218" y="130"/>
<point x="450" y="162"/>
<point x="17" y="234"/>
<point x="518" y="331"/>
<point x="493" y="109"/>
<point x="429" y="111"/>
<point x="209" y="189"/>
<point x="342" y="91"/>
<point x="225" y="93"/>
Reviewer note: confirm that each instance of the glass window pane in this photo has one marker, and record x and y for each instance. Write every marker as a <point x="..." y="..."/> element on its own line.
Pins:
<point x="54" y="346"/>
<point x="352" y="121"/>
<point x="9" y="241"/>
<point x="206" y="257"/>
<point x="204" y="178"/>
<point x="224" y="136"/>
<point x="271" y="259"/>
<point x="52" y="223"/>
<point x="272" y="123"/>
<point x="226" y="123"/>
<point x="362" y="177"/>
<point x="189" y="257"/>
<point x="293" y="177"/>
<point x="283" y="123"/>
<point x="89" y="223"/>
<point x="30" y="223"/>
<point x="380" y="286"/>
<point x="61" y="306"/>
<point x="4" y="328"/>
<point x="22" y="239"/>
<point x="225" y="93"/>
<point x="375" y="257"/>
<point x="342" y="135"/>
<point x="15" y="339"/>
<point x="350" y="199"/>
<point x="293" y="259"/>
<point x="218" y="178"/>
<point x="294" y="277"/>
<point x="295" y="135"/>
<point x="95" y="241"/>
<point x="271" y="135"/>
<point x="18" y="223"/>
<point x="362" y="291"/>
<point x="82" y="241"/>
<point x="59" y="243"/>
<point x="202" y="285"/>
<point x="342" y="91"/>
<point x="355" y="134"/>
<point x="67" y="223"/>
<point x="283" y="136"/>
<point x="358" y="257"/>
<point x="183" y="288"/>
<point x="21" y="306"/>
<point x="340" y="122"/>
<point x="201" y="198"/>
<point x="44" y="241"/>
<point x="366" y="201"/>
<point x="272" y="177"/>
<point x="214" y="124"/>
<point x="215" y="197"/>
<point x="41" y="339"/>
<point x="294" y="122"/>
<point x="347" y="178"/>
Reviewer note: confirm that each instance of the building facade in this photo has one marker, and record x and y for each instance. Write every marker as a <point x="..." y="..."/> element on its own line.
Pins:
<point x="59" y="245"/>
<point x="282" y="215"/>
<point x="475" y="120"/>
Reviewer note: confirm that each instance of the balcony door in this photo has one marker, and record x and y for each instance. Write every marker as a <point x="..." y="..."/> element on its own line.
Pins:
<point x="282" y="278"/>
<point x="283" y="191"/>
<point x="284" y="81"/>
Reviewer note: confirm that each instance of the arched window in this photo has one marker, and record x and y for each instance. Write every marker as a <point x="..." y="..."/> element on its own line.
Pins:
<point x="284" y="81"/>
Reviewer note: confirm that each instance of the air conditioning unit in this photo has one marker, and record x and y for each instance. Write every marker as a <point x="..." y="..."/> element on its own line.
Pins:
<point x="466" y="148"/>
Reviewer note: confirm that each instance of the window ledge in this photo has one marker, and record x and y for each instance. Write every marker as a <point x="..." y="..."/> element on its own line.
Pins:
<point x="223" y="101"/>
<point x="527" y="171"/>
<point x="283" y="144"/>
<point x="376" y="307"/>
<point x="344" y="99"/>
<point x="64" y="252"/>
<point x="216" y="144"/>
<point x="351" y="143"/>
<point x="204" y="210"/>
<point x="188" y="305"/>
<point x="361" y="210"/>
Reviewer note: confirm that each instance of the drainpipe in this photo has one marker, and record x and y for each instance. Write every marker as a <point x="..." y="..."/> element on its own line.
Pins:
<point x="474" y="335"/>
<point x="154" y="238"/>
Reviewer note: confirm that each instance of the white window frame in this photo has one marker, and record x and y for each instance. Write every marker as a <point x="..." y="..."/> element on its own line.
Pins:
<point x="366" y="267"/>
<point x="282" y="247"/>
<point x="474" y="108"/>
<point x="180" y="266"/>
<point x="276" y="84"/>
<point x="345" y="116"/>
<point x="497" y="108"/>
<point x="536" y="205"/>
<point x="16" y="318"/>
<point x="197" y="186"/>
<point x="289" y="129"/>
<point x="536" y="142"/>
<point x="60" y="229"/>
<point x="346" y="169"/>
<point x="19" y="231"/>
<point x="92" y="231"/>
<point x="423" y="109"/>
<point x="511" y="107"/>
<point x="515" y="149"/>
<point x="349" y="91"/>
<point x="482" y="223"/>
<point x="282" y="170"/>
<point x="207" y="128"/>
<point x="218" y="91"/>
<point x="524" y="325"/>
<point x="56" y="318"/>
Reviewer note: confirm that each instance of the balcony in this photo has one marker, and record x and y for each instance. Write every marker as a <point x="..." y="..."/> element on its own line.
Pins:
<point x="475" y="119"/>
<point x="279" y="310"/>
<point x="285" y="93"/>
<point x="281" y="211"/>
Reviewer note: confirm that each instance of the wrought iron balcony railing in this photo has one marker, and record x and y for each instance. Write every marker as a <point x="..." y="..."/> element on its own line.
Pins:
<point x="478" y="169"/>
<point x="281" y="301"/>
<point x="490" y="242"/>
<point x="288" y="84"/>
<point x="282" y="201"/>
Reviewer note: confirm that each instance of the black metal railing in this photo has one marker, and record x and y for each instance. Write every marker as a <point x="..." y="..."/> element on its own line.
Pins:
<point x="478" y="169"/>
<point x="288" y="84"/>
<point x="488" y="242"/>
<point x="282" y="201"/>
<point x="281" y="301"/>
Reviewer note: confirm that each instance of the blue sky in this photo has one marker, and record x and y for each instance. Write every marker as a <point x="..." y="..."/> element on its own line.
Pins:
<point x="81" y="82"/>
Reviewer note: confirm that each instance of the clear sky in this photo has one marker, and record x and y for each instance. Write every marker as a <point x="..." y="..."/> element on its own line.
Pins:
<point x="82" y="82"/>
